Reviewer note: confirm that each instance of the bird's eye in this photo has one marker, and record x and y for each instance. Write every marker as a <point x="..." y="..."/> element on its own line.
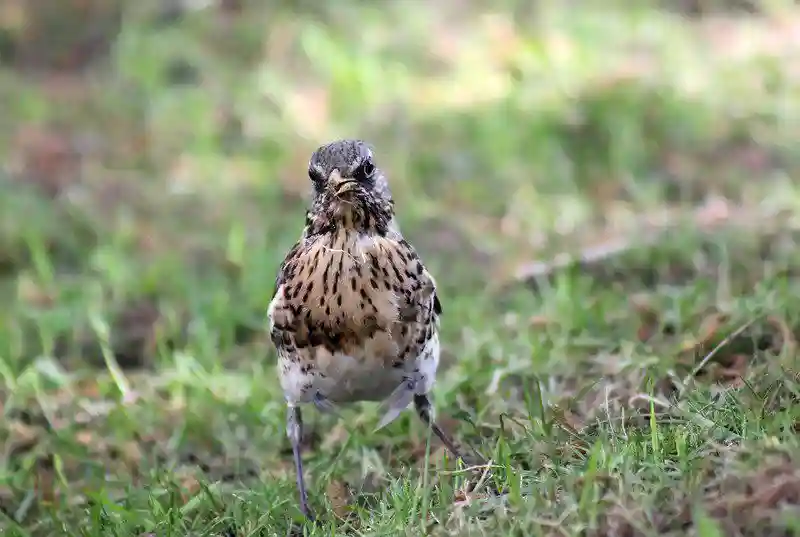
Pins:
<point x="315" y="176"/>
<point x="365" y="170"/>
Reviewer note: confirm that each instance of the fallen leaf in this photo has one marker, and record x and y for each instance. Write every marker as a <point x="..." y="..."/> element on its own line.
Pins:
<point x="649" y="319"/>
<point x="45" y="480"/>
<point x="339" y="496"/>
<point x="85" y="438"/>
<point x="45" y="158"/>
<point x="32" y="293"/>
<point x="710" y="329"/>
<point x="568" y="420"/>
<point x="539" y="321"/>
<point x="190" y="485"/>
<point x="23" y="437"/>
<point x="733" y="374"/>
<point x="788" y="343"/>
<point x="744" y="496"/>
<point x="132" y="453"/>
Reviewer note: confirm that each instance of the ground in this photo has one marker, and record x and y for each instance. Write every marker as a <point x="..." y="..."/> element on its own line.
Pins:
<point x="607" y="197"/>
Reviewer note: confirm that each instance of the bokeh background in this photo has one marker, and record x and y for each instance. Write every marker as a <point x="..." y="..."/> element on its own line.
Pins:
<point x="605" y="191"/>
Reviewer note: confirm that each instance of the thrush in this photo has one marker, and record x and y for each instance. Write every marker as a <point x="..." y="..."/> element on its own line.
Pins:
<point x="355" y="312"/>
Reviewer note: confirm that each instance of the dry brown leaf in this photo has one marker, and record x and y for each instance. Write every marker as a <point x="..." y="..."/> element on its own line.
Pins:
<point x="88" y="388"/>
<point x="745" y="496"/>
<point x="23" y="432"/>
<point x="23" y="437"/>
<point x="132" y="453"/>
<point x="339" y="495"/>
<point x="190" y="486"/>
<point x="418" y="449"/>
<point x="539" y="321"/>
<point x="86" y="438"/>
<point x="464" y="497"/>
<point x="566" y="418"/>
<point x="649" y="319"/>
<point x="45" y="481"/>
<point x="714" y="211"/>
<point x="33" y="294"/>
<point x="45" y="159"/>
<point x="733" y="374"/>
<point x="710" y="329"/>
<point x="788" y="343"/>
<point x="574" y="448"/>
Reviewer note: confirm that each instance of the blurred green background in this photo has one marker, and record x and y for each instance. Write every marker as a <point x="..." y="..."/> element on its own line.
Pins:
<point x="153" y="176"/>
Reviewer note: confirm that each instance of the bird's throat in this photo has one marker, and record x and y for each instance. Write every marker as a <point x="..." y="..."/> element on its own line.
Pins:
<point x="349" y="214"/>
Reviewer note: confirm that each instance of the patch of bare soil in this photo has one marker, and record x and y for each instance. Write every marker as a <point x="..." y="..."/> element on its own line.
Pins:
<point x="744" y="502"/>
<point x="72" y="439"/>
<point x="724" y="353"/>
<point x="607" y="258"/>
<point x="135" y="331"/>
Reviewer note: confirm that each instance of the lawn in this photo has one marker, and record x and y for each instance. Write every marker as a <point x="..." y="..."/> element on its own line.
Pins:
<point x="607" y="196"/>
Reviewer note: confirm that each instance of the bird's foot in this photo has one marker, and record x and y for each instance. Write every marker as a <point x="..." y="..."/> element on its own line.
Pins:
<point x="397" y="402"/>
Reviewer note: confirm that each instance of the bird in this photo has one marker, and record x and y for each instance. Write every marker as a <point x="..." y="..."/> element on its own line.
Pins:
<point x="355" y="313"/>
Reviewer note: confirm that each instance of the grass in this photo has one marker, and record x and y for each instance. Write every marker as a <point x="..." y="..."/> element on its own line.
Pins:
<point x="645" y="386"/>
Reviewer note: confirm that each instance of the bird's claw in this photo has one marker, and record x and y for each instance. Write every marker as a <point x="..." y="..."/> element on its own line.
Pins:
<point x="396" y="403"/>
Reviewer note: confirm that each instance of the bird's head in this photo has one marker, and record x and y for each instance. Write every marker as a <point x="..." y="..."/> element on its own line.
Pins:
<point x="349" y="190"/>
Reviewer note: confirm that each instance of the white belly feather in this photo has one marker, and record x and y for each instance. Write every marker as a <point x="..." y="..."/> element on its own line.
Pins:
<point x="344" y="379"/>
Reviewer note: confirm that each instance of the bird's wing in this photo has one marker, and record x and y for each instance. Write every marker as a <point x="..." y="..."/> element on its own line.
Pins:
<point x="421" y="298"/>
<point x="281" y="276"/>
<point x="420" y="309"/>
<point x="277" y="307"/>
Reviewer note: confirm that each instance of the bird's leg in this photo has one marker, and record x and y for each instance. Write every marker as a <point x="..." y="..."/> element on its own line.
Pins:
<point x="325" y="405"/>
<point x="424" y="410"/>
<point x="397" y="402"/>
<point x="294" y="430"/>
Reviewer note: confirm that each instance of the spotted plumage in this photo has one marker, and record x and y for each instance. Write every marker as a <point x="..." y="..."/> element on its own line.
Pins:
<point x="355" y="313"/>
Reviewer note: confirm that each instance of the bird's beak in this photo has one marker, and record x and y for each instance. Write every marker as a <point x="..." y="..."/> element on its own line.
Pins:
<point x="340" y="185"/>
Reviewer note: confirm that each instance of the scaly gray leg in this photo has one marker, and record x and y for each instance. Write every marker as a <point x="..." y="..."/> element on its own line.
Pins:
<point x="423" y="406"/>
<point x="294" y="430"/>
